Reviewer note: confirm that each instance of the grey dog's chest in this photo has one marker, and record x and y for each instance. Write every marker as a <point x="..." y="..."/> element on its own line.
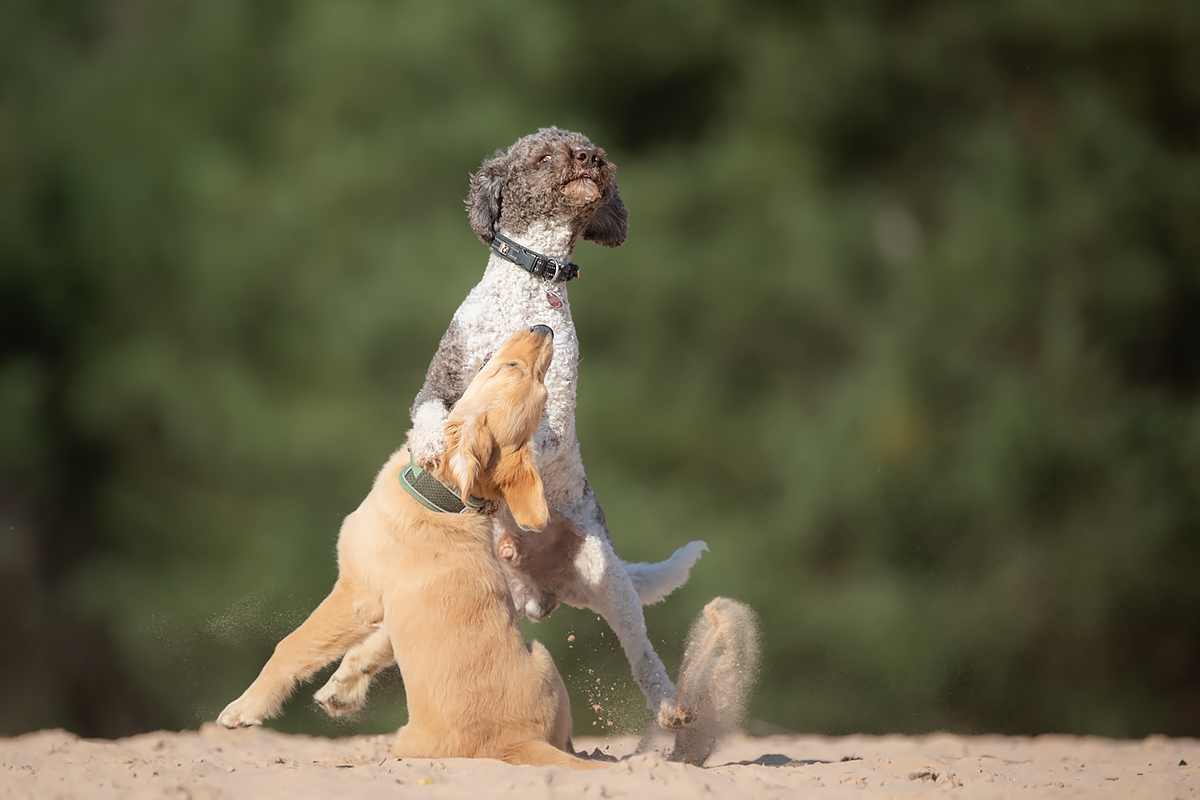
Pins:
<point x="492" y="312"/>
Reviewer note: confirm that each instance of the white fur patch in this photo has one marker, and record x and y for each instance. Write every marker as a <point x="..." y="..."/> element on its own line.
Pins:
<point x="428" y="440"/>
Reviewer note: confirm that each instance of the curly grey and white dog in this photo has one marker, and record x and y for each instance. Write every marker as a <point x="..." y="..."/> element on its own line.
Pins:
<point x="531" y="204"/>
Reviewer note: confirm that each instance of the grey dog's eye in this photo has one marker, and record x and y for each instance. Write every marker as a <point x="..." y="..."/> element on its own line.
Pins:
<point x="545" y="159"/>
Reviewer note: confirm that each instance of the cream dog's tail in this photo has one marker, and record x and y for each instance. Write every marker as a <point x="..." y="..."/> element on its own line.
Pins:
<point x="543" y="754"/>
<point x="719" y="669"/>
<point x="654" y="582"/>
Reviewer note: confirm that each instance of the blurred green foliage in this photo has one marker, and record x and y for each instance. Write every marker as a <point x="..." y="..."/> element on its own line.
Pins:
<point x="907" y="328"/>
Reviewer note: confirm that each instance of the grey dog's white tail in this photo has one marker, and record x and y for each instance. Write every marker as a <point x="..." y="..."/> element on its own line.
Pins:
<point x="720" y="667"/>
<point x="654" y="582"/>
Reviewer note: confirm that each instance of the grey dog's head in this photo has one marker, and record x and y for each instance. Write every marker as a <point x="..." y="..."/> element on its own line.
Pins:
<point x="555" y="176"/>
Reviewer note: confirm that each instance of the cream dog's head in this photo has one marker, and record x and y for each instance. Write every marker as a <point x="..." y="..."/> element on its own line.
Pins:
<point x="490" y="430"/>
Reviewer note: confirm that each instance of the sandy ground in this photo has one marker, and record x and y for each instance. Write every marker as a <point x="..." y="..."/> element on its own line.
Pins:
<point x="217" y="763"/>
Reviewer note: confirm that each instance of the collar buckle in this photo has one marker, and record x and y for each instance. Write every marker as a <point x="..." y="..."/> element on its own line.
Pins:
<point x="535" y="264"/>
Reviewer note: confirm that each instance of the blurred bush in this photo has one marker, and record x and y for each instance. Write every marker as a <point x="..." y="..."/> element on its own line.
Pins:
<point x="906" y="328"/>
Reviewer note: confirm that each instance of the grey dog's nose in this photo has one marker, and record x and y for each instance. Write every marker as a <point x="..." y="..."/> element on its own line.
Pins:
<point x="586" y="156"/>
<point x="542" y="330"/>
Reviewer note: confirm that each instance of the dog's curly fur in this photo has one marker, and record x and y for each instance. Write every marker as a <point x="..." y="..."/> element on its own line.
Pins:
<point x="547" y="191"/>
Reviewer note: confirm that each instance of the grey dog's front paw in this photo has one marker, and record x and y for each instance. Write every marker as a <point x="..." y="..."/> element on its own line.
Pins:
<point x="428" y="439"/>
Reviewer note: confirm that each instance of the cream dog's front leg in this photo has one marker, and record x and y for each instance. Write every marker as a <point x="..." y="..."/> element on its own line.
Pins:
<point x="346" y="690"/>
<point x="331" y="630"/>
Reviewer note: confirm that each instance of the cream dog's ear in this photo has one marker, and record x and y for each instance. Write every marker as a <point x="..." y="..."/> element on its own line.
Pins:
<point x="522" y="490"/>
<point x="470" y="447"/>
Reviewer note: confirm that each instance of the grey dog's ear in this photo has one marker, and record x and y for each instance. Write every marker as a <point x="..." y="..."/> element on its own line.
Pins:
<point x="483" y="199"/>
<point x="611" y="223"/>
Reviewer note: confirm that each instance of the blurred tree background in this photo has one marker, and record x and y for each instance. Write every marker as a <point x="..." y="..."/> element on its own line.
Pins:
<point x="907" y="328"/>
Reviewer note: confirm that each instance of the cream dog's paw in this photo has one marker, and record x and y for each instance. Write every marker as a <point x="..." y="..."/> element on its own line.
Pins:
<point x="238" y="714"/>
<point x="343" y="694"/>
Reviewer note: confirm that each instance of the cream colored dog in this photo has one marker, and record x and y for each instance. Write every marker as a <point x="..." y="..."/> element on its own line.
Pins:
<point x="430" y="578"/>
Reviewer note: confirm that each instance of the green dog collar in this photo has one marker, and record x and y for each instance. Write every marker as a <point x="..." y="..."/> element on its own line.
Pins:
<point x="433" y="494"/>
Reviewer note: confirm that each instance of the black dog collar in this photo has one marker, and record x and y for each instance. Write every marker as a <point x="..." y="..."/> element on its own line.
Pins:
<point x="535" y="264"/>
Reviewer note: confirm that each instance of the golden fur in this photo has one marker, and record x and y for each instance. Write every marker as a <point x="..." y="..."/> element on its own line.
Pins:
<point x="475" y="688"/>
